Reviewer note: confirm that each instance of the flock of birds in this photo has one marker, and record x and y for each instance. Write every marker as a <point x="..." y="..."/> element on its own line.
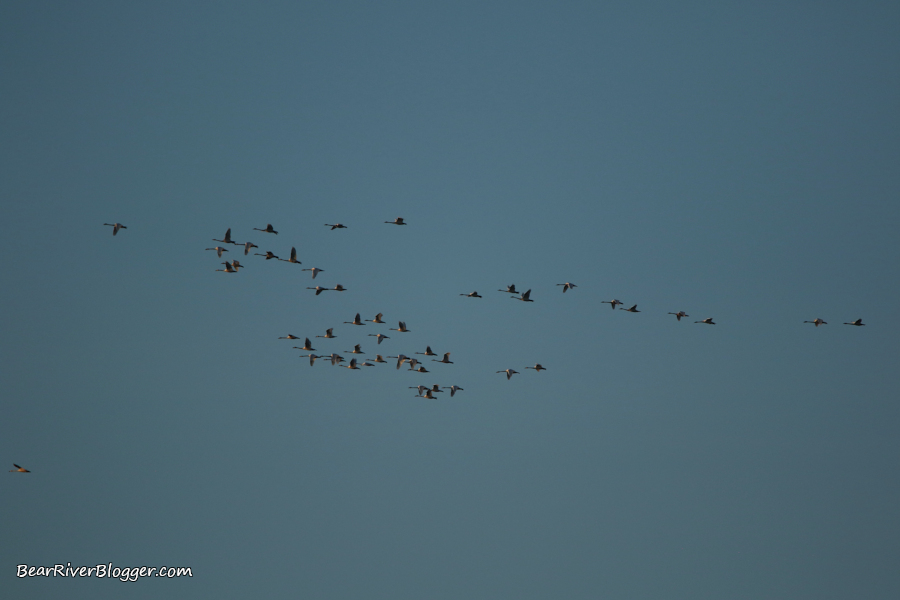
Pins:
<point x="414" y="364"/>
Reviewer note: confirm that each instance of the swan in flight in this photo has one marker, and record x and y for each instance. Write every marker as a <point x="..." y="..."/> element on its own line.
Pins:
<point x="352" y="364"/>
<point x="380" y="336"/>
<point x="18" y="469"/>
<point x="445" y="360"/>
<point x="453" y="389"/>
<point x="421" y="369"/>
<point x="420" y="388"/>
<point x="537" y="368"/>
<point x="402" y="328"/>
<point x="228" y="268"/>
<point x="335" y="359"/>
<point x="291" y="336"/>
<point x="680" y="314"/>
<point x="235" y="264"/>
<point x="707" y="320"/>
<point x="312" y="358"/>
<point x="227" y="238"/>
<point x="377" y="319"/>
<point x="427" y="395"/>
<point x="401" y="358"/>
<point x="525" y="297"/>
<point x="247" y="246"/>
<point x="219" y="250"/>
<point x="268" y="255"/>
<point x="510" y="289"/>
<point x="857" y="322"/>
<point x="335" y="226"/>
<point x="306" y="346"/>
<point x="293" y="258"/>
<point x="339" y="288"/>
<point x="509" y="373"/>
<point x="315" y="271"/>
<point x="356" y="321"/>
<point x="268" y="229"/>
<point x="319" y="289"/>
<point x="567" y="286"/>
<point x="427" y="352"/>
<point x="472" y="295"/>
<point x="632" y="309"/>
<point x="328" y="334"/>
<point x="612" y="303"/>
<point x="435" y="389"/>
<point x="817" y="321"/>
<point x="355" y="350"/>
<point x="116" y="227"/>
<point x="397" y="221"/>
<point x="379" y="358"/>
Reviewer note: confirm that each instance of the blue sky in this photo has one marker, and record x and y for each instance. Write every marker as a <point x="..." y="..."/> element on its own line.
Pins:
<point x="732" y="160"/>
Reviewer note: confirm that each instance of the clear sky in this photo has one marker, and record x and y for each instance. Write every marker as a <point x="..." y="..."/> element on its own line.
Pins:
<point x="735" y="160"/>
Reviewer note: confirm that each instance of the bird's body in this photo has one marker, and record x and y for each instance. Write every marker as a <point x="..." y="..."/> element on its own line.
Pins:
<point x="510" y="289"/>
<point x="472" y="295"/>
<point x="289" y="337"/>
<point x="817" y="321"/>
<point x="335" y="226"/>
<point x="632" y="309"/>
<point x="335" y="359"/>
<point x="509" y="373"/>
<point x="537" y="368"/>
<point x="680" y="314"/>
<point x="453" y="389"/>
<point x="339" y="288"/>
<point x="319" y="289"/>
<point x="268" y="229"/>
<point x="707" y="320"/>
<point x="356" y="350"/>
<point x="421" y="369"/>
<point x="445" y="360"/>
<point x="401" y="328"/>
<point x="306" y="346"/>
<point x="377" y="319"/>
<point x="427" y="352"/>
<point x="397" y="221"/>
<point x="315" y="271"/>
<point x="567" y="286"/>
<point x="268" y="255"/>
<point x="427" y="395"/>
<point x="379" y="359"/>
<point x="612" y="303"/>
<point x="435" y="389"/>
<point x="247" y="246"/>
<point x="352" y="364"/>
<point x="229" y="268"/>
<point x="857" y="322"/>
<point x="328" y="334"/>
<point x="116" y="227"/>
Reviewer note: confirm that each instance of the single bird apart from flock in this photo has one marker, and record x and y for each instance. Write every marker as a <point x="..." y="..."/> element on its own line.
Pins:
<point x="857" y="322"/>
<point x="397" y="221"/>
<point x="335" y="226"/>
<point x="268" y="229"/>
<point x="567" y="286"/>
<point x="116" y="227"/>
<point x="509" y="373"/>
<point x="817" y="321"/>
<point x="18" y="469"/>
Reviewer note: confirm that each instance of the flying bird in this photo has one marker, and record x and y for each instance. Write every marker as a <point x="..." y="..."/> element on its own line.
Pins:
<point x="228" y="268"/>
<point x="247" y="246"/>
<point x="312" y="358"/>
<point x="707" y="320"/>
<point x="315" y="271"/>
<point x="379" y="359"/>
<point x="402" y="328"/>
<point x="680" y="314"/>
<point x="537" y="368"/>
<point x="219" y="250"/>
<point x="289" y="337"/>
<point x="293" y="258"/>
<point x="352" y="364"/>
<point x="356" y="350"/>
<point x="319" y="289"/>
<point x="427" y="352"/>
<point x="525" y="297"/>
<point x="397" y="221"/>
<point x="817" y="321"/>
<point x="612" y="303"/>
<point x="567" y="286"/>
<point x="227" y="238"/>
<point x="19" y="469"/>
<point x="339" y="288"/>
<point x="328" y="334"/>
<point x="335" y="226"/>
<point x="857" y="322"/>
<point x="356" y="321"/>
<point x="509" y="373"/>
<point x="306" y="346"/>
<point x="268" y="229"/>
<point x="510" y="289"/>
<point x="380" y="336"/>
<point x="632" y="309"/>
<point x="116" y="227"/>
<point x="377" y="319"/>
<point x="268" y="255"/>
<point x="453" y="389"/>
<point x="445" y="360"/>
<point x="472" y="295"/>
<point x="236" y="265"/>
